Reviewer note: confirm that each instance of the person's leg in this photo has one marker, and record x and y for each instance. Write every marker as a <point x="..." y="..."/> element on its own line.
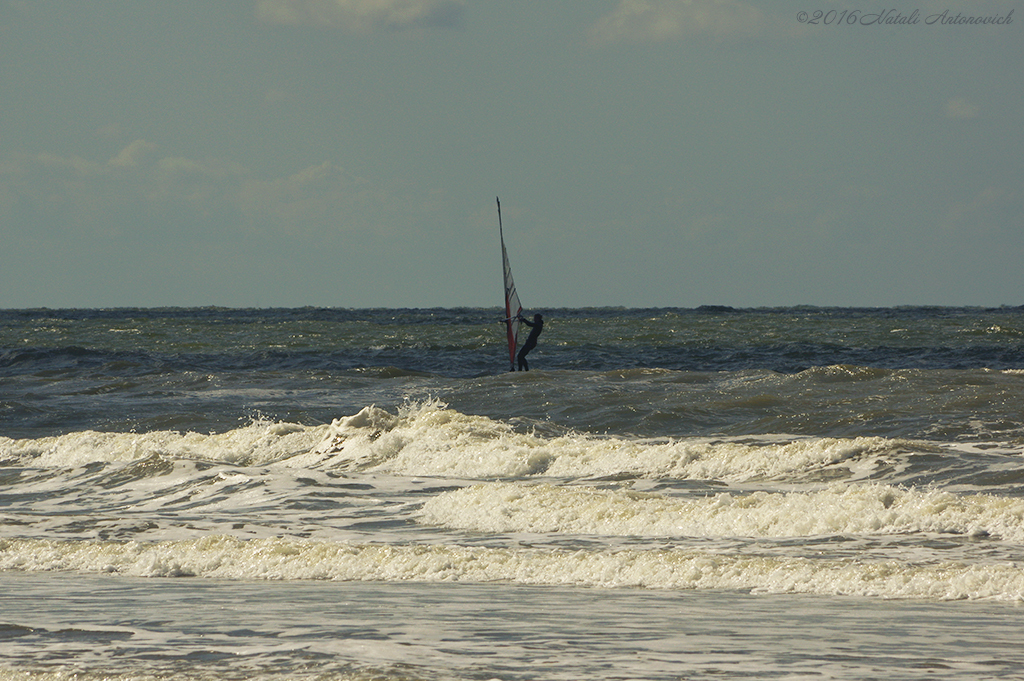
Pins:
<point x="523" y="364"/>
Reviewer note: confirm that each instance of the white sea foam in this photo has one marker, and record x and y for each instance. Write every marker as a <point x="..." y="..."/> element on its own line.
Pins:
<point x="229" y="558"/>
<point x="257" y="443"/>
<point x="840" y="509"/>
<point x="394" y="496"/>
<point x="430" y="439"/>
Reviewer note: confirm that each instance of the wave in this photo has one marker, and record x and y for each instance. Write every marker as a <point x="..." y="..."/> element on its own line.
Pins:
<point x="257" y="443"/>
<point x="428" y="493"/>
<point x="430" y="439"/>
<point x="224" y="557"/>
<point x="872" y="509"/>
<point x="83" y="362"/>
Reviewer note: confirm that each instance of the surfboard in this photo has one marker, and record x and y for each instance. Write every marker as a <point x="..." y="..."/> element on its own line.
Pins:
<point x="512" y="307"/>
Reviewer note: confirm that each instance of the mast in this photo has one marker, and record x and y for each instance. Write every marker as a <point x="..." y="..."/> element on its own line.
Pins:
<point x="512" y="306"/>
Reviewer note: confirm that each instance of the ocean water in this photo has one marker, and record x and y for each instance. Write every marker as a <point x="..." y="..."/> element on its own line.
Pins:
<point x="700" y="493"/>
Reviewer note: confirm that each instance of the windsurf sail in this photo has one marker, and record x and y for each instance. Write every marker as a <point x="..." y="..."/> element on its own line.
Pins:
<point x="512" y="307"/>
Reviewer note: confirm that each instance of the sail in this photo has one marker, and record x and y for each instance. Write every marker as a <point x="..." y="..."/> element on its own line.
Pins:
<point x="512" y="307"/>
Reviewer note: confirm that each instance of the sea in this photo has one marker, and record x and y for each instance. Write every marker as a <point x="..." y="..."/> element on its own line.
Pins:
<point x="371" y="494"/>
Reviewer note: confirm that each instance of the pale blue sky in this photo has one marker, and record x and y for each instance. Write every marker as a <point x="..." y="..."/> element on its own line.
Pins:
<point x="661" y="153"/>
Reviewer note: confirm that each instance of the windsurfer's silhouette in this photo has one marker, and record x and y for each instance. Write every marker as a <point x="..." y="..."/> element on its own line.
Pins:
<point x="536" y="326"/>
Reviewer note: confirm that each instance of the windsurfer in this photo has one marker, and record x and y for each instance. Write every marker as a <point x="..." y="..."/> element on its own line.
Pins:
<point x="536" y="326"/>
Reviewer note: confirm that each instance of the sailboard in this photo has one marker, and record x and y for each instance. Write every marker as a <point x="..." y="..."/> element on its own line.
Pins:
<point x="512" y="307"/>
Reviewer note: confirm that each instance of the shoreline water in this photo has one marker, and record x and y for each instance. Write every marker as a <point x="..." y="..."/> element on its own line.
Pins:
<point x="342" y="630"/>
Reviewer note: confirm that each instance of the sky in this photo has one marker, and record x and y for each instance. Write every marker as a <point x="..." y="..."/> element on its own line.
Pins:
<point x="647" y="153"/>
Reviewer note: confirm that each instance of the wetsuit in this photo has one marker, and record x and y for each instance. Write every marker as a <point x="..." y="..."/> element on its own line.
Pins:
<point x="536" y="326"/>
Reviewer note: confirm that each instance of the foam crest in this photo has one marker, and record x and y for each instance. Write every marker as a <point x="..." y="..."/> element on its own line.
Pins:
<point x="258" y="443"/>
<point x="289" y="559"/>
<point x="430" y="439"/>
<point x="731" y="461"/>
<point x="847" y="510"/>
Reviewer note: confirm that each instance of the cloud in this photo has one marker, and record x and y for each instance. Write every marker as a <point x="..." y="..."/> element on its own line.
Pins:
<point x="961" y="109"/>
<point x="320" y="198"/>
<point x="991" y="212"/>
<point x="133" y="154"/>
<point x="649" y="21"/>
<point x="73" y="166"/>
<point x="362" y="16"/>
<point x="137" y="186"/>
<point x="173" y="229"/>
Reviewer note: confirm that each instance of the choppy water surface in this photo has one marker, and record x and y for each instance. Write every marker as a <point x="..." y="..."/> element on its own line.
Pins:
<point x="219" y="493"/>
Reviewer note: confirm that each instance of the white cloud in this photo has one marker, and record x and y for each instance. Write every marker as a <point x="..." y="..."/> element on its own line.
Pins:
<point x="133" y="154"/>
<point x="320" y="197"/>
<point x="96" y="197"/>
<point x="652" y="21"/>
<point x="362" y="16"/>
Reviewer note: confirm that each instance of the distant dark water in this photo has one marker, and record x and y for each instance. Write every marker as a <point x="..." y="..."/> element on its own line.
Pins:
<point x="207" y="368"/>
